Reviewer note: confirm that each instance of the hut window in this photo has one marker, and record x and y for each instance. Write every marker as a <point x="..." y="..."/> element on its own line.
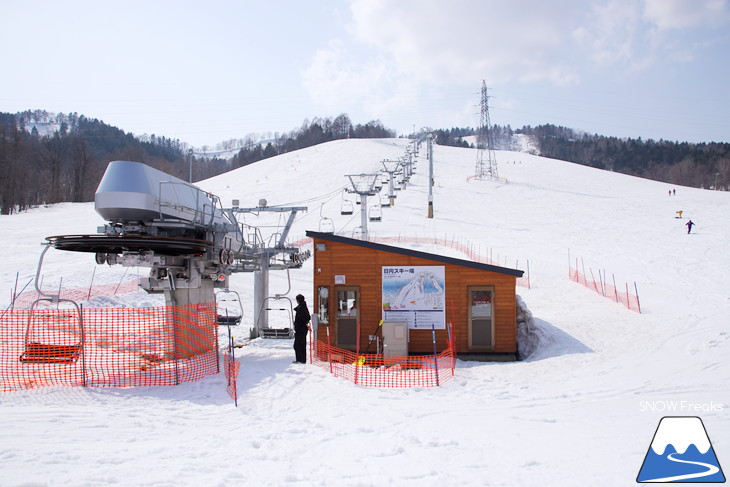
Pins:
<point x="323" y="305"/>
<point x="347" y="303"/>
<point x="481" y="317"/>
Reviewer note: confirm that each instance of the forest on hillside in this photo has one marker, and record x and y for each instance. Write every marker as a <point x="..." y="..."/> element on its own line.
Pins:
<point x="705" y="165"/>
<point x="49" y="158"/>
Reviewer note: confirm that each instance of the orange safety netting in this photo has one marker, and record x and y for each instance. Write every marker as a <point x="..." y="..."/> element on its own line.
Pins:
<point x="25" y="300"/>
<point x="231" y="368"/>
<point x="606" y="289"/>
<point x="384" y="370"/>
<point x="107" y="347"/>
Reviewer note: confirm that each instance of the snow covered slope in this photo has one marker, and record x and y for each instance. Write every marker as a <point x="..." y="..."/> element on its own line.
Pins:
<point x="580" y="411"/>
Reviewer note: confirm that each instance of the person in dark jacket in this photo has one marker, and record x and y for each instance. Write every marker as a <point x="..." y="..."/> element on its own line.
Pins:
<point x="690" y="224"/>
<point x="301" y="318"/>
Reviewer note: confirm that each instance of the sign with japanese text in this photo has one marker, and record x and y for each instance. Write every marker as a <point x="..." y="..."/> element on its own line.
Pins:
<point x="415" y="295"/>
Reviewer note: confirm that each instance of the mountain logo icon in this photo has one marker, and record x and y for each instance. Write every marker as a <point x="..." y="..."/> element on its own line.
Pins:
<point x="680" y="452"/>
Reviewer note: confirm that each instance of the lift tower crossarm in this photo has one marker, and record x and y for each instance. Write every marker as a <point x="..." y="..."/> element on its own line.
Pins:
<point x="276" y="209"/>
<point x="263" y="256"/>
<point x="364" y="185"/>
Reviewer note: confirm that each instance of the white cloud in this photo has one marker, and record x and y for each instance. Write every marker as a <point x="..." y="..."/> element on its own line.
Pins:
<point x="628" y="35"/>
<point x="333" y="80"/>
<point x="467" y="40"/>
<point x="682" y="14"/>
<point x="400" y="52"/>
<point x="613" y="35"/>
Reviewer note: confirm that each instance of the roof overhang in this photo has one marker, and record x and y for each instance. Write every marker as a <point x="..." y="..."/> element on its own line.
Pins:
<point x="330" y="237"/>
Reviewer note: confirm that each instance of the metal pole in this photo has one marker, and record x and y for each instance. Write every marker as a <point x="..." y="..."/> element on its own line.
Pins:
<point x="329" y="349"/>
<point x="83" y="345"/>
<point x="435" y="358"/>
<point x="231" y="368"/>
<point x="430" y="177"/>
<point x="15" y="289"/>
<point x="357" y="352"/>
<point x="12" y="303"/>
<point x="364" y="215"/>
<point x="91" y="284"/>
<point x="260" y="293"/>
<point x="391" y="189"/>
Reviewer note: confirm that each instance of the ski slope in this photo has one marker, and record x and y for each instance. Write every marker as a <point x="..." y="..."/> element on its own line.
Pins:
<point x="575" y="413"/>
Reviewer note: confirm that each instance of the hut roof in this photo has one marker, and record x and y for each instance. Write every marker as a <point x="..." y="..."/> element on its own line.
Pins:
<point x="414" y="253"/>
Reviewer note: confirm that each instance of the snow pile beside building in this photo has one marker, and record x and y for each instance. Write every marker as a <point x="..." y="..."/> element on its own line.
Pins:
<point x="528" y="334"/>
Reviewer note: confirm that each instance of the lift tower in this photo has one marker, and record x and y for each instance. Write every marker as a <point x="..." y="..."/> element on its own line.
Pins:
<point x="264" y="249"/>
<point x="391" y="167"/>
<point x="364" y="185"/>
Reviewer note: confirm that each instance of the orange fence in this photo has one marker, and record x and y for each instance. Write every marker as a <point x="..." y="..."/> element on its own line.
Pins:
<point x="25" y="299"/>
<point x="384" y="370"/>
<point x="602" y="286"/>
<point x="107" y="347"/>
<point x="231" y="368"/>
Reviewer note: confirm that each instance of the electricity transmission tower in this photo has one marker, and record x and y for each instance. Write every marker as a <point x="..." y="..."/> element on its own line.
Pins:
<point x="486" y="162"/>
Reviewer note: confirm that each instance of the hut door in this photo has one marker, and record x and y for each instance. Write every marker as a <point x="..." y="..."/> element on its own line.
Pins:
<point x="481" y="318"/>
<point x="348" y="316"/>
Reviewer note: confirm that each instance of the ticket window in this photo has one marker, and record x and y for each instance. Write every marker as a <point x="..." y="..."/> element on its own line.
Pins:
<point x="347" y="316"/>
<point x="481" y="318"/>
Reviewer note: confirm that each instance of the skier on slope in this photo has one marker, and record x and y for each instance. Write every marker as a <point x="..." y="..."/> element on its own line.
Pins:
<point x="690" y="224"/>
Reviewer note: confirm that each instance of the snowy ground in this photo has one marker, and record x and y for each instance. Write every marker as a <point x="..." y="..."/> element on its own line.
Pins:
<point x="577" y="412"/>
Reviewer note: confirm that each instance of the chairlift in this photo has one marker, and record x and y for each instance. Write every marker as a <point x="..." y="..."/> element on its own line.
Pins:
<point x="228" y="307"/>
<point x="326" y="225"/>
<point x="296" y="260"/>
<point x="347" y="208"/>
<point x="55" y="337"/>
<point x="287" y="332"/>
<point x="357" y="232"/>
<point x="281" y="303"/>
<point x="375" y="214"/>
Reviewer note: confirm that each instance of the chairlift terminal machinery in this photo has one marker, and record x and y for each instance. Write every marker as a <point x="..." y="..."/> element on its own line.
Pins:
<point x="191" y="243"/>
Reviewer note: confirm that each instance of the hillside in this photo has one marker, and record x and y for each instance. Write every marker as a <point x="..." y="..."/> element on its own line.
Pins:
<point x="575" y="413"/>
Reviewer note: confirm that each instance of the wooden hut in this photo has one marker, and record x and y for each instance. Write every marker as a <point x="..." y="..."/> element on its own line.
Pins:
<point x="359" y="282"/>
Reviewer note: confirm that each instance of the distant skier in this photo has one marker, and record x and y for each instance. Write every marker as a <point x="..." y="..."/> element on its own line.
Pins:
<point x="690" y="224"/>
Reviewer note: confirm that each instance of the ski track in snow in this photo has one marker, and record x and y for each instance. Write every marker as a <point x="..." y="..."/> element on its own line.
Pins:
<point x="568" y="416"/>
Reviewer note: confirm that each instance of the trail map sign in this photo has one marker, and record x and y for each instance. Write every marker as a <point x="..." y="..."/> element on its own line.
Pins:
<point x="415" y="295"/>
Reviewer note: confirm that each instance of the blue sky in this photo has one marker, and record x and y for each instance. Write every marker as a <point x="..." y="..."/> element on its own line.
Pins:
<point x="209" y="71"/>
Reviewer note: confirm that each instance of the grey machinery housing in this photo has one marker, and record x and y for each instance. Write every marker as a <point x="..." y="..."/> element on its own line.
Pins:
<point x="189" y="240"/>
